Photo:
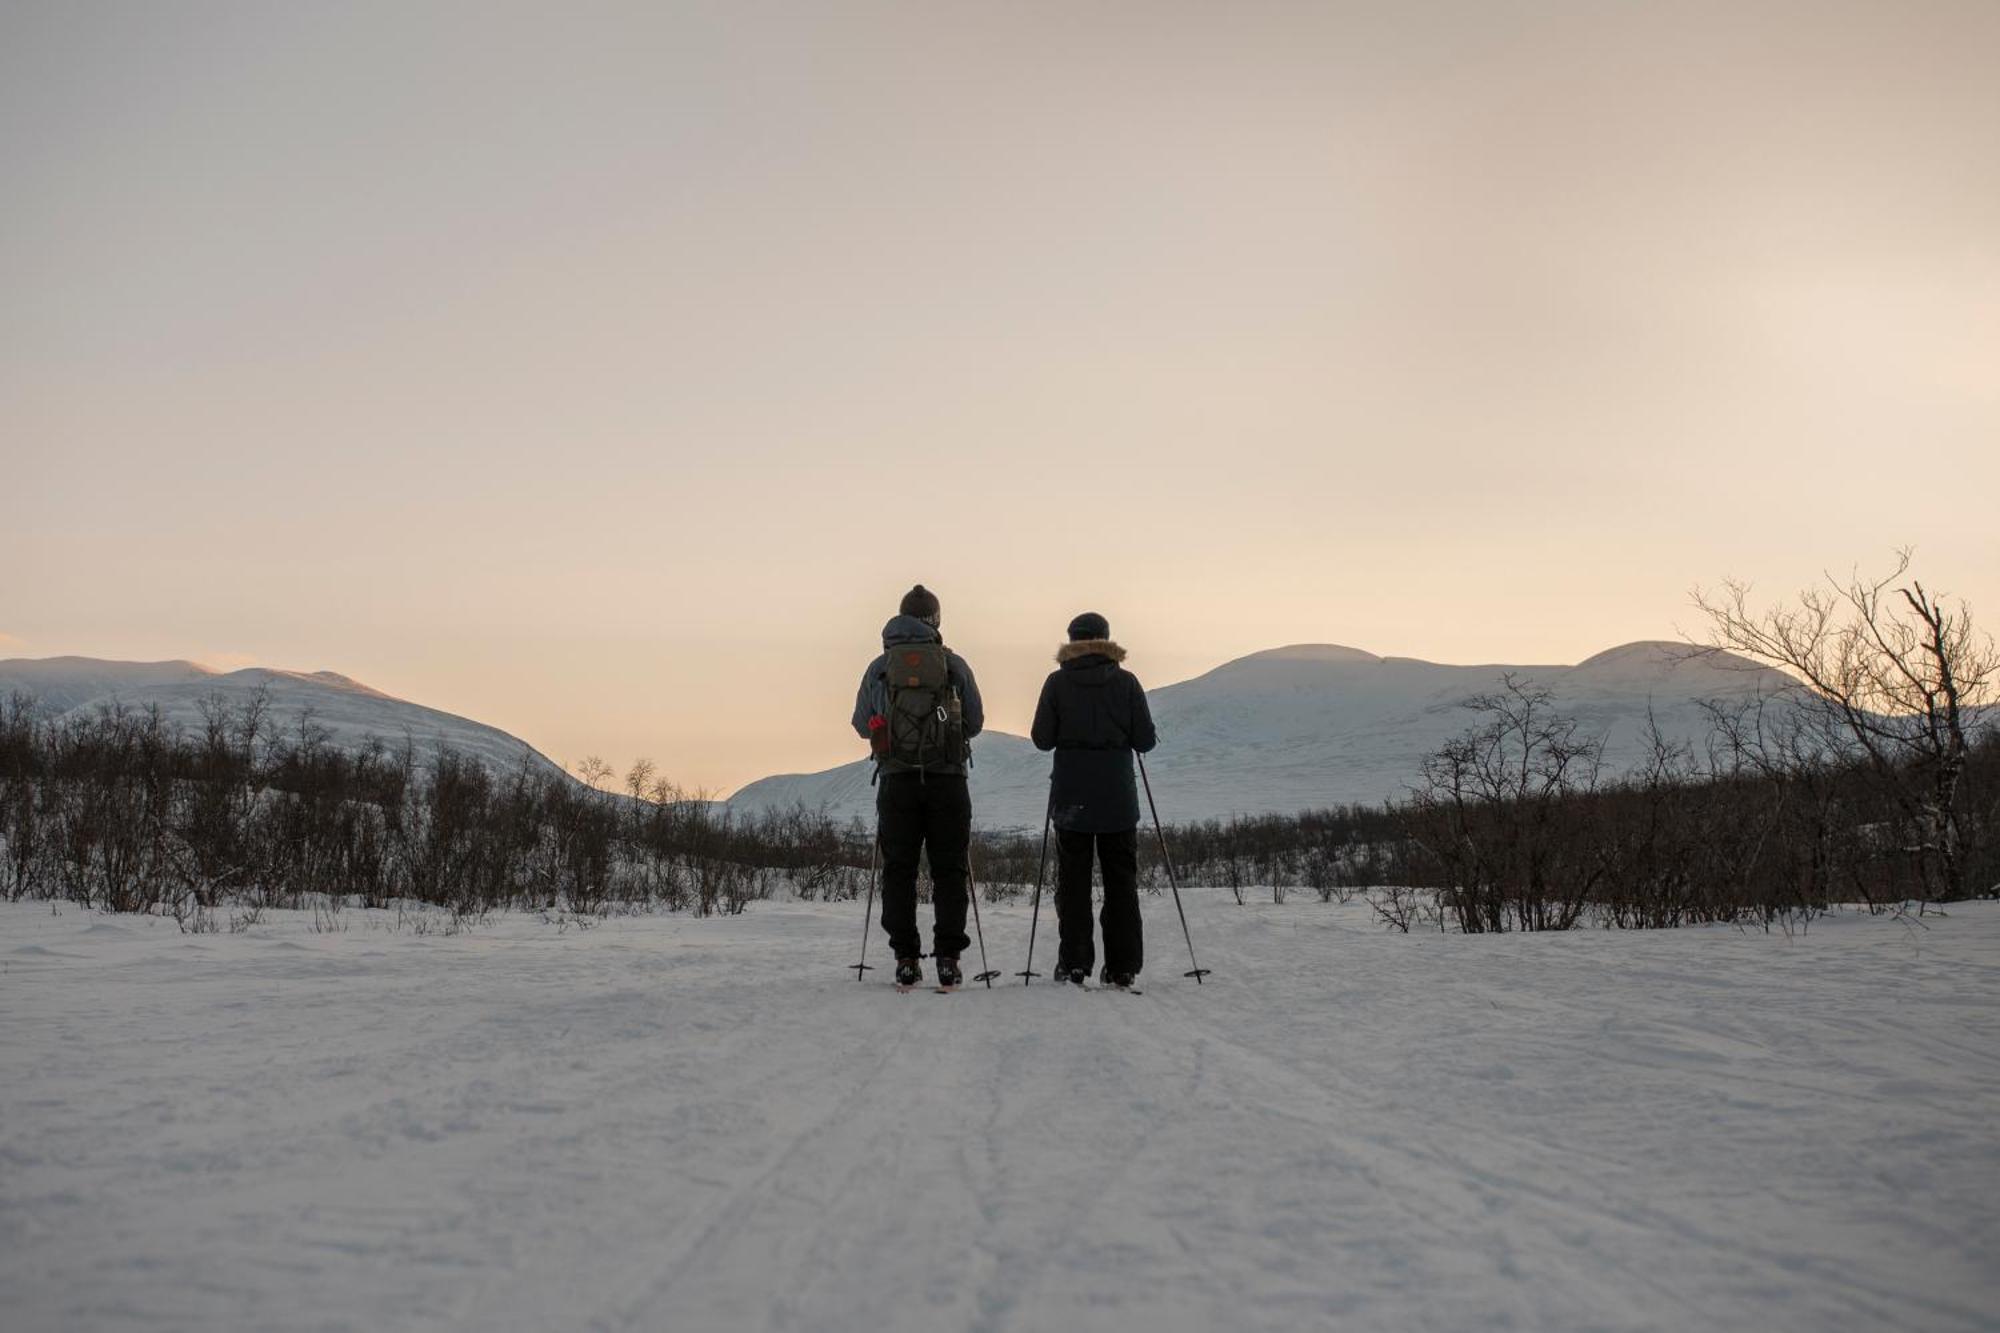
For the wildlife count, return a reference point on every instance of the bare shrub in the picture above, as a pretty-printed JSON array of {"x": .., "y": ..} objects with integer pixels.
[
  {"x": 1497, "y": 816},
  {"x": 1897, "y": 682}
]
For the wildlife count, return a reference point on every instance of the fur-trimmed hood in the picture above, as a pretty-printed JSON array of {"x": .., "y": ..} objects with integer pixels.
[{"x": 1069, "y": 652}]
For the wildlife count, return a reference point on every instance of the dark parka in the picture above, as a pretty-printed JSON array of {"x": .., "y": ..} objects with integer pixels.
[{"x": 1093, "y": 714}]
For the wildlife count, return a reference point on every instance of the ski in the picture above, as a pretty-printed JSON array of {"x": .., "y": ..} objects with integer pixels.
[{"x": 947, "y": 990}]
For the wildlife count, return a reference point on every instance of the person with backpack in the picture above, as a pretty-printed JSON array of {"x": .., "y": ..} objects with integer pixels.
[
  {"x": 1093, "y": 714},
  {"x": 918, "y": 708}
]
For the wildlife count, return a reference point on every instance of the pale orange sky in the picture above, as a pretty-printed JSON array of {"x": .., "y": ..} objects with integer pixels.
[{"x": 607, "y": 377}]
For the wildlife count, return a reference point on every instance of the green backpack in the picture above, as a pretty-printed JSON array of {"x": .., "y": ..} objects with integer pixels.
[{"x": 926, "y": 721}]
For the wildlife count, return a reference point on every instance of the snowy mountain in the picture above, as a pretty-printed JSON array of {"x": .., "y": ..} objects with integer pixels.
[
  {"x": 346, "y": 711},
  {"x": 1320, "y": 724},
  {"x": 59, "y": 684}
]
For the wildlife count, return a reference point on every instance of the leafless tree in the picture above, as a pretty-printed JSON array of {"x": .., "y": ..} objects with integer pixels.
[
  {"x": 1898, "y": 678},
  {"x": 1497, "y": 813},
  {"x": 639, "y": 779}
]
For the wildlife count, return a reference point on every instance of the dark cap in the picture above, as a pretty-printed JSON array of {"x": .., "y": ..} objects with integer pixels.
[
  {"x": 920, "y": 602},
  {"x": 1089, "y": 625}
]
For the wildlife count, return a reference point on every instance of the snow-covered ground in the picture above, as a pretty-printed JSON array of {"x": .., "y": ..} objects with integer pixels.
[{"x": 664, "y": 1123}]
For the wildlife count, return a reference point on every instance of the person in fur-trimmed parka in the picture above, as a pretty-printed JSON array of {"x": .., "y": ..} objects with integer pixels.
[{"x": 1093, "y": 714}]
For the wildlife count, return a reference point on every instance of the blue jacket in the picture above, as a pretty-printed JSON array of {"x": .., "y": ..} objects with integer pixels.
[{"x": 873, "y": 696}]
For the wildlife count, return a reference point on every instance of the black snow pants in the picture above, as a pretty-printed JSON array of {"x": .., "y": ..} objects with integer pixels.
[
  {"x": 1124, "y": 941},
  {"x": 917, "y": 813}
]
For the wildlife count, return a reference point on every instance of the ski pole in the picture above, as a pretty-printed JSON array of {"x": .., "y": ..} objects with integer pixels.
[
  {"x": 1034, "y": 918},
  {"x": 868, "y": 916},
  {"x": 986, "y": 974},
  {"x": 1172, "y": 879}
]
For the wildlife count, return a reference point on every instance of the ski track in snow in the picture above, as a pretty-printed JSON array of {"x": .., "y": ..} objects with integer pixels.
[{"x": 664, "y": 1123}]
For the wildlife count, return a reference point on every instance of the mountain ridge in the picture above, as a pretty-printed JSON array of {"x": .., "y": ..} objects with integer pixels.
[
  {"x": 348, "y": 712},
  {"x": 1308, "y": 725},
  {"x": 1271, "y": 732}
]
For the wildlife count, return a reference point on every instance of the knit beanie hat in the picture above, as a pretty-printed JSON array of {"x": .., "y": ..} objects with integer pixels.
[
  {"x": 922, "y": 603},
  {"x": 1089, "y": 625}
]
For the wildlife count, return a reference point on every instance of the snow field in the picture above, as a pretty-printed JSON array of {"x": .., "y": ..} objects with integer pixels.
[{"x": 665, "y": 1123}]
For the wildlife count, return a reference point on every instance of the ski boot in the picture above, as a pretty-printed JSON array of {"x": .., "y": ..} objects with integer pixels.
[
  {"x": 909, "y": 971},
  {"x": 948, "y": 973},
  {"x": 1075, "y": 976}
]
